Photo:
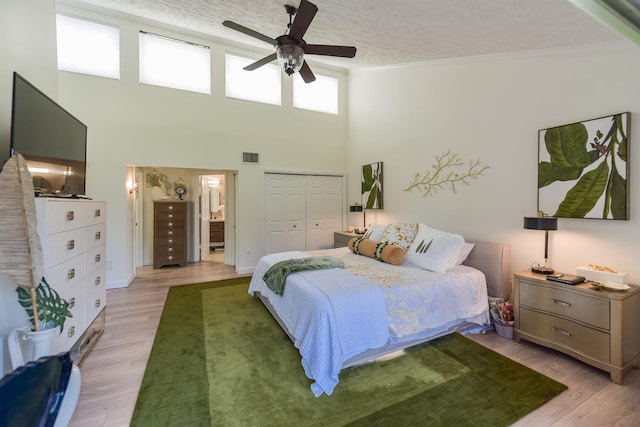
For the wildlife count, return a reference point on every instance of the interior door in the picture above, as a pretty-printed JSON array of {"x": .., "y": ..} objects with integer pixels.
[{"x": 284, "y": 212}]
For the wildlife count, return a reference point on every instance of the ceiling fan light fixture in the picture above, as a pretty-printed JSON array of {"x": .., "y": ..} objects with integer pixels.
[{"x": 290, "y": 57}]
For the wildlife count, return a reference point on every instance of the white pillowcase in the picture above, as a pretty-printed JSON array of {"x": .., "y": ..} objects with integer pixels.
[
  {"x": 464, "y": 252},
  {"x": 434, "y": 250},
  {"x": 375, "y": 232}
]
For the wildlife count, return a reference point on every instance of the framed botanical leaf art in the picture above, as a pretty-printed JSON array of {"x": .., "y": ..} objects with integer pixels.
[
  {"x": 372, "y": 186},
  {"x": 583, "y": 169}
]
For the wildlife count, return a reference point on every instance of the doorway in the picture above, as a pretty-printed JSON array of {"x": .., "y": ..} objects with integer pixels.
[{"x": 160, "y": 183}]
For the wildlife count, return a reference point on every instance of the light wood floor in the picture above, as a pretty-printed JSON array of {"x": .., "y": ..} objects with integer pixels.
[{"x": 112, "y": 373}]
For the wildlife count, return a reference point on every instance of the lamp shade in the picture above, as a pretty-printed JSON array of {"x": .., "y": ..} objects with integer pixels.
[{"x": 541, "y": 223}]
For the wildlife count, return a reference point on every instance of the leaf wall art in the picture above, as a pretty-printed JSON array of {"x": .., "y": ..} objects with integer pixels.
[{"x": 583, "y": 169}]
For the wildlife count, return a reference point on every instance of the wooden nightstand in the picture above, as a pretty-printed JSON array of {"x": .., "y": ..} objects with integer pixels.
[
  {"x": 341, "y": 238},
  {"x": 601, "y": 328}
]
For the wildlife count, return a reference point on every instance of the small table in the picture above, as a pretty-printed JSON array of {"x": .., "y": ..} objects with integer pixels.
[{"x": 341, "y": 238}]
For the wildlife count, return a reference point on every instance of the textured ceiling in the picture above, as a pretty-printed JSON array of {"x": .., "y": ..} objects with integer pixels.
[{"x": 388, "y": 32}]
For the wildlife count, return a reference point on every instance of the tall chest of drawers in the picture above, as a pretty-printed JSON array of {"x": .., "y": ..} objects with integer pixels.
[
  {"x": 601, "y": 328},
  {"x": 73, "y": 238},
  {"x": 170, "y": 233}
]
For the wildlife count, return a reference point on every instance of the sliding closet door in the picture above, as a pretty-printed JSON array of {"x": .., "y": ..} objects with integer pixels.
[
  {"x": 284, "y": 212},
  {"x": 324, "y": 210},
  {"x": 301, "y": 211}
]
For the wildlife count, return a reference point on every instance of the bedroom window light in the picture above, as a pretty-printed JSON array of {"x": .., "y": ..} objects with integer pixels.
[
  {"x": 88, "y": 47},
  {"x": 174, "y": 63},
  {"x": 321, "y": 95},
  {"x": 260, "y": 85}
]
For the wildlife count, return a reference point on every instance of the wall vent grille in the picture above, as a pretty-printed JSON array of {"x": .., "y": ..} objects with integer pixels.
[{"x": 250, "y": 158}]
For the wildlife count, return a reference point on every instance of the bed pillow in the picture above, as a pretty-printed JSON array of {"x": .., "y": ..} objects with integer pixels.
[
  {"x": 434, "y": 250},
  {"x": 464, "y": 252},
  {"x": 375, "y": 232},
  {"x": 400, "y": 234},
  {"x": 382, "y": 251}
]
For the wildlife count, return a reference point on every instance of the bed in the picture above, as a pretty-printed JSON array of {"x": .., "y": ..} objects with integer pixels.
[{"x": 342, "y": 317}]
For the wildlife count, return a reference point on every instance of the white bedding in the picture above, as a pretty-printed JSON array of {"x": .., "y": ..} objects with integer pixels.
[{"x": 387, "y": 304}]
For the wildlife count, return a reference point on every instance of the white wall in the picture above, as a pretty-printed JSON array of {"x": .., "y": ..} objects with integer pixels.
[
  {"x": 27, "y": 45},
  {"x": 491, "y": 109},
  {"x": 133, "y": 124}
]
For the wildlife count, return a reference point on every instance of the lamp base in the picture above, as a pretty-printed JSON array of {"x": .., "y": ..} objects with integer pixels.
[{"x": 542, "y": 270}]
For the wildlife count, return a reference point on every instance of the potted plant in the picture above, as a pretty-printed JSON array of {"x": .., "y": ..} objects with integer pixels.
[{"x": 52, "y": 311}]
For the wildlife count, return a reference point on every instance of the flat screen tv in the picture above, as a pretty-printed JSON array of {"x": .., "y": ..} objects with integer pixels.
[{"x": 52, "y": 141}]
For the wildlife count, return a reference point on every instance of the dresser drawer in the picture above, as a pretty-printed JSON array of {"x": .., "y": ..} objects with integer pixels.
[
  {"x": 580, "y": 338},
  {"x": 63, "y": 246},
  {"x": 63, "y": 215},
  {"x": 95, "y": 213},
  {"x": 95, "y": 235},
  {"x": 591, "y": 311},
  {"x": 67, "y": 274},
  {"x": 73, "y": 326}
]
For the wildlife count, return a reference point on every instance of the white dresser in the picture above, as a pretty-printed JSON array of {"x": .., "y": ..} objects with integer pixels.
[{"x": 73, "y": 237}]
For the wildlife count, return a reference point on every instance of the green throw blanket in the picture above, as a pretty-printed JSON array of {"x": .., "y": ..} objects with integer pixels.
[{"x": 277, "y": 274}]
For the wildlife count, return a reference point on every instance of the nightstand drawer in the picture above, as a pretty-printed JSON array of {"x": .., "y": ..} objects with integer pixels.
[
  {"x": 554, "y": 300},
  {"x": 587, "y": 341}
]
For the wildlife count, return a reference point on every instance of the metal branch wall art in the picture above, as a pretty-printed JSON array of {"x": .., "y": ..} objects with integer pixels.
[{"x": 447, "y": 172}]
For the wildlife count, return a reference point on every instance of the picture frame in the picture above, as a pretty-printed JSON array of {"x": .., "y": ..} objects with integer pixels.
[
  {"x": 583, "y": 169},
  {"x": 371, "y": 188}
]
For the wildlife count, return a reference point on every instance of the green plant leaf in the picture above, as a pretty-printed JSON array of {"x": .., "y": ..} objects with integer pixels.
[
  {"x": 371, "y": 200},
  {"x": 567, "y": 145},
  {"x": 52, "y": 310},
  {"x": 618, "y": 195},
  {"x": 367, "y": 178},
  {"x": 622, "y": 145},
  {"x": 549, "y": 173},
  {"x": 580, "y": 199}
]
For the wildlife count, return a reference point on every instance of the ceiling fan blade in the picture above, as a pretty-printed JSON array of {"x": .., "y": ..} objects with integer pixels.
[
  {"x": 304, "y": 15},
  {"x": 250, "y": 32},
  {"x": 261, "y": 62},
  {"x": 330, "y": 50},
  {"x": 306, "y": 73}
]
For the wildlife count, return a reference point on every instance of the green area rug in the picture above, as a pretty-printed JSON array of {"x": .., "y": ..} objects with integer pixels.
[{"x": 219, "y": 358}]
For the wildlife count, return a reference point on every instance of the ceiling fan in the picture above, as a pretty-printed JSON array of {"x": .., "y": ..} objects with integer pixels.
[{"x": 291, "y": 47}]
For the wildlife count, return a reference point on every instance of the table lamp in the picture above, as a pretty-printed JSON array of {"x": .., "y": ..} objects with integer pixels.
[{"x": 546, "y": 223}]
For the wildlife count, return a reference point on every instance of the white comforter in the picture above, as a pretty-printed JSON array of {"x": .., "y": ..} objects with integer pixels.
[{"x": 384, "y": 304}]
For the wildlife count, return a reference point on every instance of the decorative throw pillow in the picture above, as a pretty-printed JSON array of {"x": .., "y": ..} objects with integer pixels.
[
  {"x": 382, "y": 251},
  {"x": 434, "y": 250},
  {"x": 375, "y": 232},
  {"x": 464, "y": 252},
  {"x": 400, "y": 234}
]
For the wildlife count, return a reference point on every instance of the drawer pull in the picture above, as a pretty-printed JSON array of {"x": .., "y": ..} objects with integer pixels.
[
  {"x": 170, "y": 216},
  {"x": 559, "y": 302},
  {"x": 560, "y": 331},
  {"x": 98, "y": 257},
  {"x": 70, "y": 216},
  {"x": 98, "y": 213},
  {"x": 170, "y": 257},
  {"x": 71, "y": 332},
  {"x": 170, "y": 241},
  {"x": 72, "y": 302},
  {"x": 71, "y": 273},
  {"x": 170, "y": 207},
  {"x": 170, "y": 232},
  {"x": 169, "y": 249},
  {"x": 98, "y": 235},
  {"x": 71, "y": 244},
  {"x": 98, "y": 303},
  {"x": 97, "y": 281},
  {"x": 170, "y": 224}
]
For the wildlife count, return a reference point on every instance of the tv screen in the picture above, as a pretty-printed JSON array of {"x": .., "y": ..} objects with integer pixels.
[{"x": 52, "y": 141}]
